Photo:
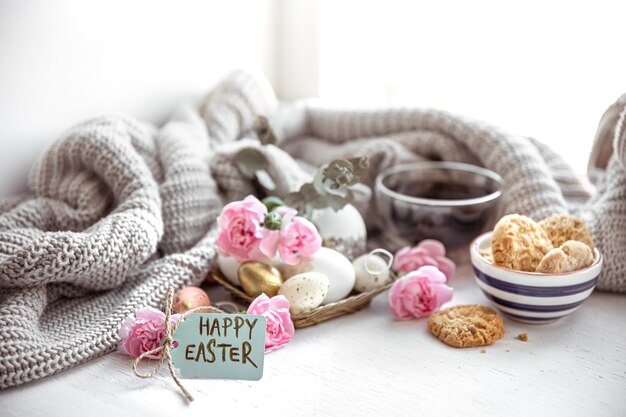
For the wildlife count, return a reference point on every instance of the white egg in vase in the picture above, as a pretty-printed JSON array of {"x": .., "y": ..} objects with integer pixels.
[{"x": 342, "y": 230}]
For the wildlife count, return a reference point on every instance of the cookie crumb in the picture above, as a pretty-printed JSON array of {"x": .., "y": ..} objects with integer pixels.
[
  {"x": 523, "y": 337},
  {"x": 483, "y": 351}
]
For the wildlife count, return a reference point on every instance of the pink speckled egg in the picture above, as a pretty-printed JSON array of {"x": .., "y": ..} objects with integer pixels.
[{"x": 190, "y": 297}]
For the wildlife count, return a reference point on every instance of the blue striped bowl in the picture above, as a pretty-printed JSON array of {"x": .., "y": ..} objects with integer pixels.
[{"x": 532, "y": 297}]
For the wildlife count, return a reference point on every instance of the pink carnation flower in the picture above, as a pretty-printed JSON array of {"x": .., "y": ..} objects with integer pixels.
[
  {"x": 239, "y": 229},
  {"x": 427, "y": 252},
  {"x": 271, "y": 238},
  {"x": 419, "y": 293},
  {"x": 143, "y": 332},
  {"x": 297, "y": 237},
  {"x": 279, "y": 330}
]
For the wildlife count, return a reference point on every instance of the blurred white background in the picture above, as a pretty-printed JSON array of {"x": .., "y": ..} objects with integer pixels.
[
  {"x": 542, "y": 69},
  {"x": 63, "y": 61}
]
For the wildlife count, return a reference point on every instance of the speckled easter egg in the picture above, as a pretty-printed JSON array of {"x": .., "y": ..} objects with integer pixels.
[
  {"x": 190, "y": 297},
  {"x": 366, "y": 281},
  {"x": 229, "y": 266},
  {"x": 305, "y": 291}
]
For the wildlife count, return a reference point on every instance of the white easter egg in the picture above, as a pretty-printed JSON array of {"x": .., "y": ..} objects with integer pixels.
[
  {"x": 329, "y": 262},
  {"x": 342, "y": 230},
  {"x": 305, "y": 291},
  {"x": 339, "y": 271},
  {"x": 288, "y": 271},
  {"x": 366, "y": 281},
  {"x": 229, "y": 267}
]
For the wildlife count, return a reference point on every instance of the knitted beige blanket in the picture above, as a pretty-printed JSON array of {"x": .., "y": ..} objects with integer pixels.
[{"x": 118, "y": 210}]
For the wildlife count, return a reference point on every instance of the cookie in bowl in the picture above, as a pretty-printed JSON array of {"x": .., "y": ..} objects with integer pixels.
[
  {"x": 570, "y": 256},
  {"x": 563, "y": 227},
  {"x": 519, "y": 243}
]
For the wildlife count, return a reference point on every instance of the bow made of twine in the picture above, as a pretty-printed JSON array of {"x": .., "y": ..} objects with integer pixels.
[{"x": 166, "y": 343}]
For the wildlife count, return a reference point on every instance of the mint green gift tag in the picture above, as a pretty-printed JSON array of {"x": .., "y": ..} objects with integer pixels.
[{"x": 219, "y": 346}]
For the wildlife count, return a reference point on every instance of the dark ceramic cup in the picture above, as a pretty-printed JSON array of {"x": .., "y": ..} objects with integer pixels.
[{"x": 448, "y": 201}]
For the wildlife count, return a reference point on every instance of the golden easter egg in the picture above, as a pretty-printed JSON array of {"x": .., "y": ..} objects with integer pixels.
[{"x": 257, "y": 278}]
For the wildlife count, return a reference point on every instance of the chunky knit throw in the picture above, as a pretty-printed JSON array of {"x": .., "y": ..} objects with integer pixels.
[{"x": 119, "y": 210}]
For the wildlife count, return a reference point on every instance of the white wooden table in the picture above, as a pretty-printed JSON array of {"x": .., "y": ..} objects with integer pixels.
[{"x": 367, "y": 364}]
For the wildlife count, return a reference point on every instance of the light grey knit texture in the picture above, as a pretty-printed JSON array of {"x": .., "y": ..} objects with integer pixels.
[{"x": 119, "y": 210}]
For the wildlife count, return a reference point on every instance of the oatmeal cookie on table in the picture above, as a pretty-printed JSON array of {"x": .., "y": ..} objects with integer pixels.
[
  {"x": 519, "y": 243},
  {"x": 467, "y": 326}
]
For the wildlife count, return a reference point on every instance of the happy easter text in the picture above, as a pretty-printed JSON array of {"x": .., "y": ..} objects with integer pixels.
[{"x": 211, "y": 351}]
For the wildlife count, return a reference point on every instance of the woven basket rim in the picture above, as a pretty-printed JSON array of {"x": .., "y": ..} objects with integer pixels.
[{"x": 319, "y": 314}]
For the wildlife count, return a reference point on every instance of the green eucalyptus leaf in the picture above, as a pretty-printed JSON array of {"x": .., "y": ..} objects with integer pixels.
[
  {"x": 296, "y": 201},
  {"x": 306, "y": 211},
  {"x": 307, "y": 194},
  {"x": 318, "y": 181},
  {"x": 337, "y": 202},
  {"x": 340, "y": 202},
  {"x": 266, "y": 181},
  {"x": 340, "y": 171},
  {"x": 293, "y": 199},
  {"x": 250, "y": 160},
  {"x": 361, "y": 168},
  {"x": 335, "y": 189},
  {"x": 330, "y": 186},
  {"x": 320, "y": 202}
]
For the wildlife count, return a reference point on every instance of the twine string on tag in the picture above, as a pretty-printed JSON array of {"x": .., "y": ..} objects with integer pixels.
[{"x": 164, "y": 350}]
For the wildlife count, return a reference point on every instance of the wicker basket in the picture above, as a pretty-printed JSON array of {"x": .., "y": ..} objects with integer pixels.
[{"x": 317, "y": 315}]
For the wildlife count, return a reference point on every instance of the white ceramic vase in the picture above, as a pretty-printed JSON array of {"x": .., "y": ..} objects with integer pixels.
[{"x": 342, "y": 230}]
